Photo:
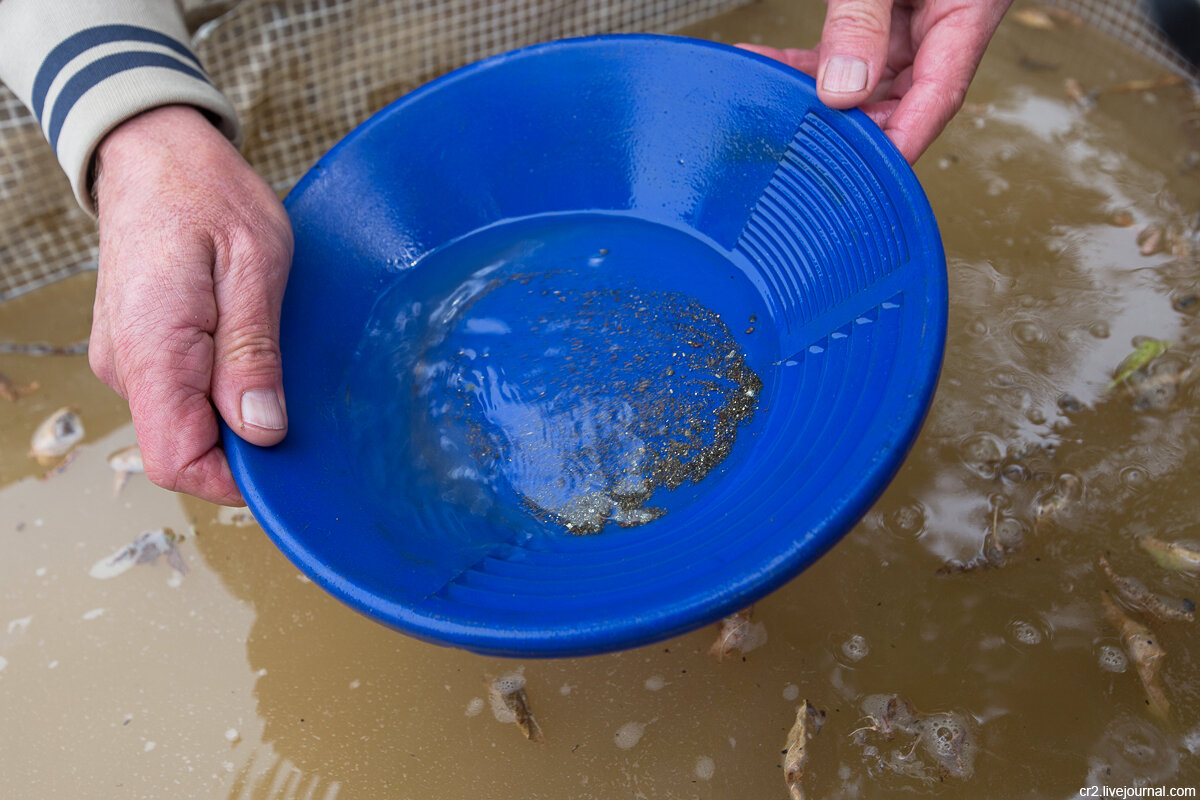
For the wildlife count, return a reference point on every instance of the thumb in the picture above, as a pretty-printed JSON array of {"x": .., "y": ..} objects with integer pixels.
[
  {"x": 247, "y": 379},
  {"x": 854, "y": 46}
]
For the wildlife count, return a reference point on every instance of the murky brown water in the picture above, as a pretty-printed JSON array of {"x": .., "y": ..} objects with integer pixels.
[{"x": 240, "y": 679}]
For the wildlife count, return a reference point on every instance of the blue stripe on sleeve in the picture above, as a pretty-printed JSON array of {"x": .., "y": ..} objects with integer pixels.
[
  {"x": 85, "y": 40},
  {"x": 99, "y": 70}
]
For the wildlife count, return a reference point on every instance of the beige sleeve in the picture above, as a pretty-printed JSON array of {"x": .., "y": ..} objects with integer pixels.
[{"x": 85, "y": 66}]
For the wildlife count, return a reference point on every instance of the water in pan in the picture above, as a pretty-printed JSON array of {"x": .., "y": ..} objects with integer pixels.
[{"x": 530, "y": 372}]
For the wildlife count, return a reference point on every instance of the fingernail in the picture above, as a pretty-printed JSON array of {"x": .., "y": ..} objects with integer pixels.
[
  {"x": 262, "y": 409},
  {"x": 845, "y": 75}
]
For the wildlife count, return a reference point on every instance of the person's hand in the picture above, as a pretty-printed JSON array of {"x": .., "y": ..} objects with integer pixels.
[
  {"x": 906, "y": 64},
  {"x": 194, "y": 254}
]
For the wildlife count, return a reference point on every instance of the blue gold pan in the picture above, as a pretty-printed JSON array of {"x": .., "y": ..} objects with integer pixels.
[{"x": 521, "y": 293}]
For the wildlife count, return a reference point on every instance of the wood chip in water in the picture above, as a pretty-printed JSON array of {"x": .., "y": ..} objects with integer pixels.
[
  {"x": 738, "y": 633},
  {"x": 1035, "y": 18},
  {"x": 1062, "y": 16},
  {"x": 1150, "y": 240},
  {"x": 807, "y": 725},
  {"x": 1146, "y": 84},
  {"x": 56, "y": 436},
  {"x": 12, "y": 391},
  {"x": 1180, "y": 556},
  {"x": 1122, "y": 219},
  {"x": 145, "y": 549},
  {"x": 510, "y": 704},
  {"x": 125, "y": 462},
  {"x": 1135, "y": 593},
  {"x": 1075, "y": 91},
  {"x": 1144, "y": 650}
]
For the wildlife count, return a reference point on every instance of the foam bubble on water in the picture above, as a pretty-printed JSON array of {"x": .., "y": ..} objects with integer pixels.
[
  {"x": 1191, "y": 741},
  {"x": 475, "y": 706},
  {"x": 232, "y": 735},
  {"x": 3, "y": 663},
  {"x": 982, "y": 453},
  {"x": 93, "y": 614},
  {"x": 502, "y": 687},
  {"x": 19, "y": 625},
  {"x": 705, "y": 768},
  {"x": 946, "y": 737},
  {"x": 1112, "y": 658},
  {"x": 791, "y": 692},
  {"x": 629, "y": 734},
  {"x": 906, "y": 520},
  {"x": 1025, "y": 632},
  {"x": 655, "y": 682},
  {"x": 856, "y": 648}
]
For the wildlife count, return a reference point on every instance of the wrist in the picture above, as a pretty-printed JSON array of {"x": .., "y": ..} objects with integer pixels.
[{"x": 145, "y": 140}]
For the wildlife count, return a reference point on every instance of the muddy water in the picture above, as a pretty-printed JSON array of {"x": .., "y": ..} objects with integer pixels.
[{"x": 972, "y": 592}]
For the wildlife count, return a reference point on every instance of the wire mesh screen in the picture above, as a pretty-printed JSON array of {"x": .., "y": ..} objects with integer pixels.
[
  {"x": 302, "y": 74},
  {"x": 1129, "y": 22}
]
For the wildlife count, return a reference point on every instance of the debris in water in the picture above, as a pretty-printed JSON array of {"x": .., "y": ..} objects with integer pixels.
[
  {"x": 12, "y": 391},
  {"x": 43, "y": 348},
  {"x": 1035, "y": 18},
  {"x": 1150, "y": 240},
  {"x": 1182, "y": 556},
  {"x": 235, "y": 516},
  {"x": 1004, "y": 539},
  {"x": 738, "y": 633},
  {"x": 56, "y": 436},
  {"x": 125, "y": 462},
  {"x": 808, "y": 724},
  {"x": 510, "y": 704},
  {"x": 1146, "y": 84},
  {"x": 629, "y": 735},
  {"x": 1157, "y": 390},
  {"x": 145, "y": 549},
  {"x": 946, "y": 737},
  {"x": 1145, "y": 652},
  {"x": 1067, "y": 490},
  {"x": 1074, "y": 90},
  {"x": 1145, "y": 351},
  {"x": 1135, "y": 593},
  {"x": 1122, "y": 219}
]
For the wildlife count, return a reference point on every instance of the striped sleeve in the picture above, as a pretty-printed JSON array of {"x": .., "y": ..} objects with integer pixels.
[{"x": 82, "y": 68}]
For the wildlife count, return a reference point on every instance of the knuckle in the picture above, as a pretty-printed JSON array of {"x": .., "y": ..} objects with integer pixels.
[
  {"x": 254, "y": 343},
  {"x": 859, "y": 19}
]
